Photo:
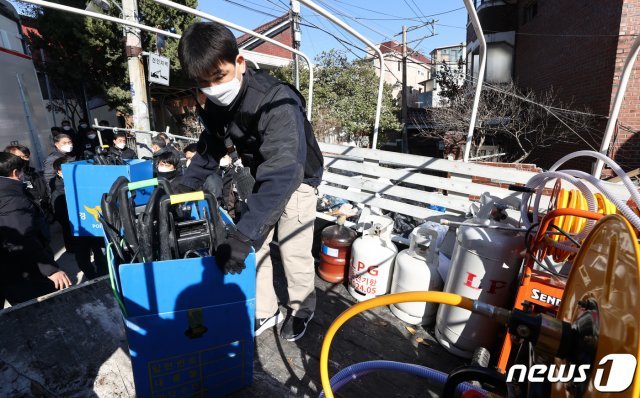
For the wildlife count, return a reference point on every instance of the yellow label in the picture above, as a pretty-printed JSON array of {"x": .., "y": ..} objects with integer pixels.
[{"x": 187, "y": 197}]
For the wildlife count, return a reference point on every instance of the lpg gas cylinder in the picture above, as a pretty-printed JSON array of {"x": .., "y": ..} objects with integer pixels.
[
  {"x": 484, "y": 266},
  {"x": 372, "y": 258},
  {"x": 336, "y": 251},
  {"x": 416, "y": 269}
]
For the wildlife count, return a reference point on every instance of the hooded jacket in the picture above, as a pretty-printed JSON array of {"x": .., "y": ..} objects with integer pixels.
[
  {"x": 267, "y": 123},
  {"x": 24, "y": 248}
]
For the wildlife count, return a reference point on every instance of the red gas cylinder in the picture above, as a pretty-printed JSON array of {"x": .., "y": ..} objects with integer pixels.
[{"x": 336, "y": 251}]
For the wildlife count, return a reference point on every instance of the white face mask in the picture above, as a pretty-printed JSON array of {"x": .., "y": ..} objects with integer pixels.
[
  {"x": 164, "y": 169},
  {"x": 223, "y": 94},
  {"x": 121, "y": 145},
  {"x": 66, "y": 128},
  {"x": 83, "y": 125},
  {"x": 225, "y": 161},
  {"x": 91, "y": 136},
  {"x": 66, "y": 148}
]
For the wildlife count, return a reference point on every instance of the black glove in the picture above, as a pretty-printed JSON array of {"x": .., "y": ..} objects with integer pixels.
[{"x": 232, "y": 252}]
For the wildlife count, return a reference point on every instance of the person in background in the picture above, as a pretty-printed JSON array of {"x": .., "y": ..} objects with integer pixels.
[
  {"x": 158, "y": 147},
  {"x": 68, "y": 130},
  {"x": 63, "y": 147},
  {"x": 119, "y": 147},
  {"x": 83, "y": 126},
  {"x": 35, "y": 185},
  {"x": 168, "y": 166},
  {"x": 89, "y": 142},
  {"x": 106, "y": 134},
  {"x": 170, "y": 145},
  {"x": 189, "y": 151},
  {"x": 82, "y": 246},
  {"x": 55, "y": 130},
  {"x": 28, "y": 267}
]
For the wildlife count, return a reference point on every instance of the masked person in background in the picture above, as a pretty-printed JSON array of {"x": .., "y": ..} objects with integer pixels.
[
  {"x": 63, "y": 147},
  {"x": 119, "y": 147},
  {"x": 28, "y": 267},
  {"x": 107, "y": 134},
  {"x": 168, "y": 166},
  {"x": 35, "y": 185},
  {"x": 89, "y": 142},
  {"x": 68, "y": 130},
  {"x": 265, "y": 120},
  {"x": 81, "y": 246}
]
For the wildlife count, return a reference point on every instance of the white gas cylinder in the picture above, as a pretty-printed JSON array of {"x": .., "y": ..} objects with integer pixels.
[
  {"x": 485, "y": 265},
  {"x": 372, "y": 258},
  {"x": 416, "y": 269}
]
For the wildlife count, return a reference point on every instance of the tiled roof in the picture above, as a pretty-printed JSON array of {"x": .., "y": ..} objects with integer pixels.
[
  {"x": 394, "y": 46},
  {"x": 263, "y": 28}
]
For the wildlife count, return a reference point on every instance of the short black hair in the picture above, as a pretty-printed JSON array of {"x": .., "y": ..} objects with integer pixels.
[
  {"x": 193, "y": 147},
  {"x": 18, "y": 147},
  {"x": 57, "y": 164},
  {"x": 168, "y": 157},
  {"x": 159, "y": 141},
  {"x": 8, "y": 163},
  {"x": 204, "y": 46},
  {"x": 120, "y": 134},
  {"x": 65, "y": 121},
  {"x": 58, "y": 137},
  {"x": 55, "y": 128}
]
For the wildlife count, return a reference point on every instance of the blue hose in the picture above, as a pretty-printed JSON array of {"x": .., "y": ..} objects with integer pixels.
[{"x": 353, "y": 372}]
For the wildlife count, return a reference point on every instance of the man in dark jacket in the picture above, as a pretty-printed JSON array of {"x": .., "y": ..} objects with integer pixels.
[
  {"x": 119, "y": 147},
  {"x": 35, "y": 185},
  {"x": 63, "y": 147},
  {"x": 81, "y": 246},
  {"x": 28, "y": 267},
  {"x": 266, "y": 121},
  {"x": 88, "y": 142}
]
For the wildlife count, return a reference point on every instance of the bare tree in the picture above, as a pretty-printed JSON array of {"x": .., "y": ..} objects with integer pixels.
[{"x": 519, "y": 120}]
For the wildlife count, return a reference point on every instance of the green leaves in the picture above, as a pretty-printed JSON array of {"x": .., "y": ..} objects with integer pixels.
[
  {"x": 90, "y": 52},
  {"x": 344, "y": 96}
]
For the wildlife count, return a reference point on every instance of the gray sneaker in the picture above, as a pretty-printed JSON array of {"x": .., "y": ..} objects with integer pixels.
[
  {"x": 263, "y": 324},
  {"x": 294, "y": 327}
]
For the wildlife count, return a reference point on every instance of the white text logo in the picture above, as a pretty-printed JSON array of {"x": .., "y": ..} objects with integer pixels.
[{"x": 623, "y": 366}]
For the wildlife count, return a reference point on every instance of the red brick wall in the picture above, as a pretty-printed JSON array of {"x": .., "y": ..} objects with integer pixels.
[
  {"x": 626, "y": 144},
  {"x": 580, "y": 69},
  {"x": 283, "y": 37}
]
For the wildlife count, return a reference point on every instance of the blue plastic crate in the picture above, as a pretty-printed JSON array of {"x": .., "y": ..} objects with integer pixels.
[
  {"x": 84, "y": 184},
  {"x": 190, "y": 328}
]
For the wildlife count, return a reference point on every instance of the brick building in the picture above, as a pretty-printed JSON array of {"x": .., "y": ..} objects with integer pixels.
[
  {"x": 578, "y": 48},
  {"x": 268, "y": 55}
]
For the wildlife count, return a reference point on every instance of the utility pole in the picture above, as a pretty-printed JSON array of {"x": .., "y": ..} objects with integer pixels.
[
  {"x": 405, "y": 105},
  {"x": 137, "y": 84},
  {"x": 405, "y": 138},
  {"x": 295, "y": 28}
]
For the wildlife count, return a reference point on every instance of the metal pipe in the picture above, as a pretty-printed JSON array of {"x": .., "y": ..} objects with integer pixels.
[
  {"x": 92, "y": 14},
  {"x": 355, "y": 33},
  {"x": 250, "y": 32},
  {"x": 617, "y": 104},
  {"x": 116, "y": 129},
  {"x": 473, "y": 16}
]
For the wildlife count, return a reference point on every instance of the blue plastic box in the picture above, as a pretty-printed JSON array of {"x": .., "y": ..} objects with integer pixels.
[
  {"x": 190, "y": 328},
  {"x": 84, "y": 184}
]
